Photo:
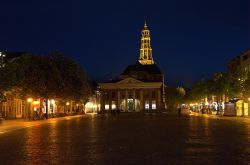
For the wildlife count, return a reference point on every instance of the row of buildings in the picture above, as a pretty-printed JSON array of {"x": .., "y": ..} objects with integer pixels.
[
  {"x": 140, "y": 88},
  {"x": 241, "y": 106},
  {"x": 238, "y": 67}
]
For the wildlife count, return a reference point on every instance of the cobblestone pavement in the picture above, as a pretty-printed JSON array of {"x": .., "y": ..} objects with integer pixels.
[{"x": 128, "y": 139}]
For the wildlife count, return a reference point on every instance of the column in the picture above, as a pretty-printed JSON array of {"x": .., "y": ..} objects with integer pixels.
[
  {"x": 134, "y": 99},
  {"x": 102, "y": 102},
  {"x": 150, "y": 100},
  {"x": 141, "y": 100},
  {"x": 158, "y": 105},
  {"x": 126, "y": 100},
  {"x": 118, "y": 99},
  {"x": 110, "y": 100}
]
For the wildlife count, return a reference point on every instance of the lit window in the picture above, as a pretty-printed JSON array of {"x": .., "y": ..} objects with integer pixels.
[
  {"x": 146, "y": 104},
  {"x": 106, "y": 107},
  {"x": 113, "y": 105},
  {"x": 153, "y": 104}
]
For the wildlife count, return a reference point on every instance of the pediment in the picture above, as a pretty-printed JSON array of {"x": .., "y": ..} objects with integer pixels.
[{"x": 129, "y": 80}]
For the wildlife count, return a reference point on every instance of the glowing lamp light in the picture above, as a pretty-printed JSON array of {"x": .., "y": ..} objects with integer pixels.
[
  {"x": 216, "y": 106},
  {"x": 29, "y": 100},
  {"x": 53, "y": 101},
  {"x": 67, "y": 103},
  {"x": 36, "y": 102},
  {"x": 89, "y": 105},
  {"x": 249, "y": 99},
  {"x": 113, "y": 106}
]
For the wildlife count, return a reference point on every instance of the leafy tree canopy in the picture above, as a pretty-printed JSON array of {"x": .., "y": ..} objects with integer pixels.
[{"x": 48, "y": 76}]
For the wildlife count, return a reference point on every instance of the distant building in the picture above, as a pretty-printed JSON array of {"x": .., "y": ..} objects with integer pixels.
[
  {"x": 240, "y": 62},
  {"x": 139, "y": 88}
]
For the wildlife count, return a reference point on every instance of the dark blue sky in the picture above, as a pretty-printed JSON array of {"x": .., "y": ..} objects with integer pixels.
[{"x": 190, "y": 39}]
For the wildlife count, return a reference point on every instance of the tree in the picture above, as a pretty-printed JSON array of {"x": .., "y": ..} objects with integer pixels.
[
  {"x": 52, "y": 76},
  {"x": 75, "y": 85},
  {"x": 175, "y": 96},
  {"x": 198, "y": 91},
  {"x": 246, "y": 86}
]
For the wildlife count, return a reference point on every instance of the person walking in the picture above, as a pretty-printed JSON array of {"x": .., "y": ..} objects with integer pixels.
[{"x": 179, "y": 111}]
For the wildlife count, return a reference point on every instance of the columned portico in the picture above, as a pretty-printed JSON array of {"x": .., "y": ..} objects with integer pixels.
[
  {"x": 140, "y": 87},
  {"x": 139, "y": 96}
]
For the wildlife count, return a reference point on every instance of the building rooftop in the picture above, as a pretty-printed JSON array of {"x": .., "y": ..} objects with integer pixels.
[{"x": 149, "y": 69}]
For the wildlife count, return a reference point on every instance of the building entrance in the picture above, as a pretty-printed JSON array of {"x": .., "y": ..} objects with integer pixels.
[{"x": 130, "y": 104}]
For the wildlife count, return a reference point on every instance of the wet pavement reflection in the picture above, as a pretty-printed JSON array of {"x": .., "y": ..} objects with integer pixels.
[{"x": 130, "y": 139}]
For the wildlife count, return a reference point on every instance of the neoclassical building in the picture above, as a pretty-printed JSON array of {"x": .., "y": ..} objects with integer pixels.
[{"x": 139, "y": 88}]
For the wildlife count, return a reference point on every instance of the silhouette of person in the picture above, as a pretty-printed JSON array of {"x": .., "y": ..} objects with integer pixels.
[{"x": 179, "y": 111}]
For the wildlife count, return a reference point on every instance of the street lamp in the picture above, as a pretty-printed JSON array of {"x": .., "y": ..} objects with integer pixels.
[
  {"x": 67, "y": 107},
  {"x": 29, "y": 100}
]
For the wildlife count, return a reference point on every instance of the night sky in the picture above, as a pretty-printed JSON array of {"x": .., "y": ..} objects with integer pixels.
[{"x": 191, "y": 39}]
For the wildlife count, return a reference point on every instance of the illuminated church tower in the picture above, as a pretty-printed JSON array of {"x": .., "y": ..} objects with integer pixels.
[
  {"x": 140, "y": 87},
  {"x": 146, "y": 57}
]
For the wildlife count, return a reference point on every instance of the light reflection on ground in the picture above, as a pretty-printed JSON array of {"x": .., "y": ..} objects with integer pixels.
[{"x": 128, "y": 139}]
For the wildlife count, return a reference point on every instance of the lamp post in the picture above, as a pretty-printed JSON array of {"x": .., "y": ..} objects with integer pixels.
[
  {"x": 29, "y": 100},
  {"x": 67, "y": 104},
  {"x": 53, "y": 106}
]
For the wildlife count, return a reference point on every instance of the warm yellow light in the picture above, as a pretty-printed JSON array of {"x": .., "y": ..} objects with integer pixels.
[
  {"x": 67, "y": 103},
  {"x": 36, "y": 102},
  {"x": 77, "y": 104},
  {"x": 29, "y": 100},
  {"x": 89, "y": 105},
  {"x": 249, "y": 99},
  {"x": 53, "y": 101},
  {"x": 113, "y": 106}
]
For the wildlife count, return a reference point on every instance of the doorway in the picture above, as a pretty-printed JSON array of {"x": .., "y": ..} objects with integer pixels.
[{"x": 130, "y": 105}]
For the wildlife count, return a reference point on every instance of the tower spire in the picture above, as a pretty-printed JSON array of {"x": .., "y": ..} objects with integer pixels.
[{"x": 146, "y": 57}]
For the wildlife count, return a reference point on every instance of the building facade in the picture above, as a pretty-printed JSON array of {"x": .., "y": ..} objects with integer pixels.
[
  {"x": 239, "y": 67},
  {"x": 240, "y": 62},
  {"x": 139, "y": 88}
]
